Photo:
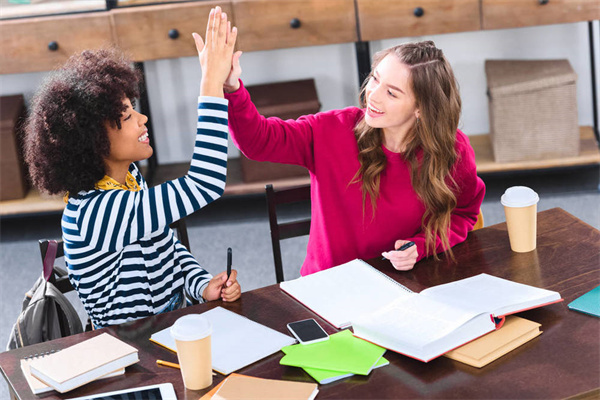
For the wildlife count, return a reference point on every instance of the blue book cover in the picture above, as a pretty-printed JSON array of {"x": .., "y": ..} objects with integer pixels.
[{"x": 589, "y": 303}]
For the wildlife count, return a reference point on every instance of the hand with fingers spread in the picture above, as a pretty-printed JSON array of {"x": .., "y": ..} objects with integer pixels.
[
  {"x": 221, "y": 287},
  {"x": 402, "y": 260},
  {"x": 216, "y": 53}
]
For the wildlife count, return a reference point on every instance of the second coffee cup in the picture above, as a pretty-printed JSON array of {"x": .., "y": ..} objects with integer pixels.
[
  {"x": 520, "y": 208},
  {"x": 192, "y": 339}
]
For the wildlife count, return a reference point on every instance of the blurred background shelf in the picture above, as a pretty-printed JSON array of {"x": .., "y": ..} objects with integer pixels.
[{"x": 34, "y": 204}]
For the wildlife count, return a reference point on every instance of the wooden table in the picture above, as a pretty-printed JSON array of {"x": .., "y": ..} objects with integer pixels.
[{"x": 563, "y": 362}]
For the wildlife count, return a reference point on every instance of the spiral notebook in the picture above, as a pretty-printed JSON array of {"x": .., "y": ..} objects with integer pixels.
[
  {"x": 39, "y": 387},
  {"x": 342, "y": 293}
]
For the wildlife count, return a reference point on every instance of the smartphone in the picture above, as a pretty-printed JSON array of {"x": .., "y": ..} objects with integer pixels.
[{"x": 307, "y": 331}]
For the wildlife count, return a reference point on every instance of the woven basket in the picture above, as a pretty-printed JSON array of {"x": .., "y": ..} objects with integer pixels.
[{"x": 533, "y": 109}]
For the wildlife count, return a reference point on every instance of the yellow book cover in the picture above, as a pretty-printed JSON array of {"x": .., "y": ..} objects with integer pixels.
[
  {"x": 515, "y": 332},
  {"x": 241, "y": 387}
]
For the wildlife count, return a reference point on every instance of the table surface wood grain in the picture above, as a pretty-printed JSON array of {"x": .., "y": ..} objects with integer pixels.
[{"x": 562, "y": 362}]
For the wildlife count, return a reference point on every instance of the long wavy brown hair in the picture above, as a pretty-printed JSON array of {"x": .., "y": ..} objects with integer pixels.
[{"x": 429, "y": 145}]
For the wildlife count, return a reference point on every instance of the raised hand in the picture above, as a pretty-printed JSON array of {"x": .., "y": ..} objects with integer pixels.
[
  {"x": 216, "y": 52},
  {"x": 232, "y": 83}
]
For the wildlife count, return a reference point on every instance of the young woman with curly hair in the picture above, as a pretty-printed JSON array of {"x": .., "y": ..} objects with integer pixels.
[
  {"x": 83, "y": 137},
  {"x": 395, "y": 171}
]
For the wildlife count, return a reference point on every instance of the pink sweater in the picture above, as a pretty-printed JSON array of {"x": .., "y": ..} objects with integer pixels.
[{"x": 324, "y": 143}]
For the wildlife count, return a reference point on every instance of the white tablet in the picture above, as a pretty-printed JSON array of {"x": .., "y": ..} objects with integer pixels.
[{"x": 163, "y": 391}]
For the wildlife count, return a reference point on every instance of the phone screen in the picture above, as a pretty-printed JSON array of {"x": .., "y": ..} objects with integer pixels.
[{"x": 307, "y": 330}]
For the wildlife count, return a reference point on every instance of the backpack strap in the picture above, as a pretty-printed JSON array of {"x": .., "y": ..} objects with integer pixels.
[{"x": 49, "y": 259}]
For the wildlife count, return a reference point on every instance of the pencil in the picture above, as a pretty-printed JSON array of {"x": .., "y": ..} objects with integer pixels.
[
  {"x": 172, "y": 365},
  {"x": 167, "y": 364}
]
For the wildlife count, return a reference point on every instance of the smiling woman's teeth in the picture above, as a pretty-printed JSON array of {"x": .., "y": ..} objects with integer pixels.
[
  {"x": 376, "y": 111},
  {"x": 143, "y": 137}
]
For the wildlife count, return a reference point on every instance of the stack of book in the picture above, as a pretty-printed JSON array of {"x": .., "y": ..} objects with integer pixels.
[
  {"x": 95, "y": 358},
  {"x": 341, "y": 356}
]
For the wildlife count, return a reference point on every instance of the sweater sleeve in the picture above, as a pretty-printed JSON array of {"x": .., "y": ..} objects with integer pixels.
[
  {"x": 469, "y": 197},
  {"x": 269, "y": 139},
  {"x": 117, "y": 218}
]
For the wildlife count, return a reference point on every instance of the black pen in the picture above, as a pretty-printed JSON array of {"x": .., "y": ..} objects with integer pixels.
[
  {"x": 402, "y": 248},
  {"x": 229, "y": 257}
]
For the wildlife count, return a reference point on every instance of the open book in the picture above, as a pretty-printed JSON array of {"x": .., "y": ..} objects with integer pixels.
[{"x": 420, "y": 325}]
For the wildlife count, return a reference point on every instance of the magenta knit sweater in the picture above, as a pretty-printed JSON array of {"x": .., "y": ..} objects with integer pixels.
[{"x": 324, "y": 143}]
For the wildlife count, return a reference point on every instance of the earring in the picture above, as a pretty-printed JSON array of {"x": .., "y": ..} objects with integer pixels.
[{"x": 417, "y": 123}]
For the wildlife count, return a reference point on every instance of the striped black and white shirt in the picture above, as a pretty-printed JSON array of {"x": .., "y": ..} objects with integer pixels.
[{"x": 122, "y": 257}]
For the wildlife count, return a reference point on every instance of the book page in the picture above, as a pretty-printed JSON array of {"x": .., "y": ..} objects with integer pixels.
[
  {"x": 414, "y": 321},
  {"x": 343, "y": 293},
  {"x": 486, "y": 293}
]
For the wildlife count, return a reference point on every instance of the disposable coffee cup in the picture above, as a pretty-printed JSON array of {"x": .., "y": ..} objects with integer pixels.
[
  {"x": 192, "y": 340},
  {"x": 520, "y": 208}
]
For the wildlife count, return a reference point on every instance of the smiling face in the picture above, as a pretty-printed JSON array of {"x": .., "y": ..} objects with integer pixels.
[
  {"x": 389, "y": 98},
  {"x": 130, "y": 143}
]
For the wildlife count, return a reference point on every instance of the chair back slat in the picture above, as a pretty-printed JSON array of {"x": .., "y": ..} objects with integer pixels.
[
  {"x": 285, "y": 230},
  {"x": 294, "y": 229}
]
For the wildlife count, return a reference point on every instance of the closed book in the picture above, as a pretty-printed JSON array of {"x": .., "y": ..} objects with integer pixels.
[
  {"x": 241, "y": 387},
  {"x": 341, "y": 352},
  {"x": 589, "y": 303},
  {"x": 39, "y": 387},
  {"x": 325, "y": 376},
  {"x": 480, "y": 352},
  {"x": 84, "y": 362}
]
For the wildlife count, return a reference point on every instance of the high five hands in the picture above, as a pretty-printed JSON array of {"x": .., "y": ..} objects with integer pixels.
[{"x": 216, "y": 54}]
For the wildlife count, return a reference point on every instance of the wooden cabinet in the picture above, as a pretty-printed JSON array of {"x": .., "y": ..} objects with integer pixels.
[
  {"x": 163, "y": 31},
  {"x": 41, "y": 44},
  {"x": 274, "y": 24},
  {"x": 383, "y": 19},
  {"x": 518, "y": 13}
]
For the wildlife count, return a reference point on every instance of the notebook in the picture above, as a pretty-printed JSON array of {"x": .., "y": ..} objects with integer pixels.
[
  {"x": 324, "y": 376},
  {"x": 236, "y": 341},
  {"x": 589, "y": 303},
  {"x": 241, "y": 387},
  {"x": 84, "y": 362},
  {"x": 480, "y": 352},
  {"x": 420, "y": 325},
  {"x": 39, "y": 387},
  {"x": 341, "y": 293},
  {"x": 342, "y": 352}
]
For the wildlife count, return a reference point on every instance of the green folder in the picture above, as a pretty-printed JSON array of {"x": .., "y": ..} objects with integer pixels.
[
  {"x": 324, "y": 376},
  {"x": 589, "y": 303},
  {"x": 342, "y": 352}
]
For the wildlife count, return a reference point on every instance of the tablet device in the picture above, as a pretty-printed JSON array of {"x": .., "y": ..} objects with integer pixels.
[{"x": 162, "y": 391}]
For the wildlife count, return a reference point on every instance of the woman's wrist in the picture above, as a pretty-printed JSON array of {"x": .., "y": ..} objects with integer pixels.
[{"x": 231, "y": 88}]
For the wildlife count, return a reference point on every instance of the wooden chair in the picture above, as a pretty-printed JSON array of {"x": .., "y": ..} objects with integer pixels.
[
  {"x": 285, "y": 230},
  {"x": 479, "y": 223}
]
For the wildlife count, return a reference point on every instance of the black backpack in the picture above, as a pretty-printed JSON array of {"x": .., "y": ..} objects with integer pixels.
[{"x": 49, "y": 307}]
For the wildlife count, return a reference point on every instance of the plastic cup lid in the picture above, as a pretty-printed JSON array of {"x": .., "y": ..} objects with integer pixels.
[
  {"x": 191, "y": 327},
  {"x": 519, "y": 196}
]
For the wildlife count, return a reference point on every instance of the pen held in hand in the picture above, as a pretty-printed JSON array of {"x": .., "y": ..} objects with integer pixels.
[
  {"x": 229, "y": 260},
  {"x": 405, "y": 246}
]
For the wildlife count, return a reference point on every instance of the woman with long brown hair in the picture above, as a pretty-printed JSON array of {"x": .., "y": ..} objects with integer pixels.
[{"x": 394, "y": 172}]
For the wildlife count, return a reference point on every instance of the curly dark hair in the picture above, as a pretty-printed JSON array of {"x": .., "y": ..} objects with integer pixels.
[{"x": 66, "y": 140}]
